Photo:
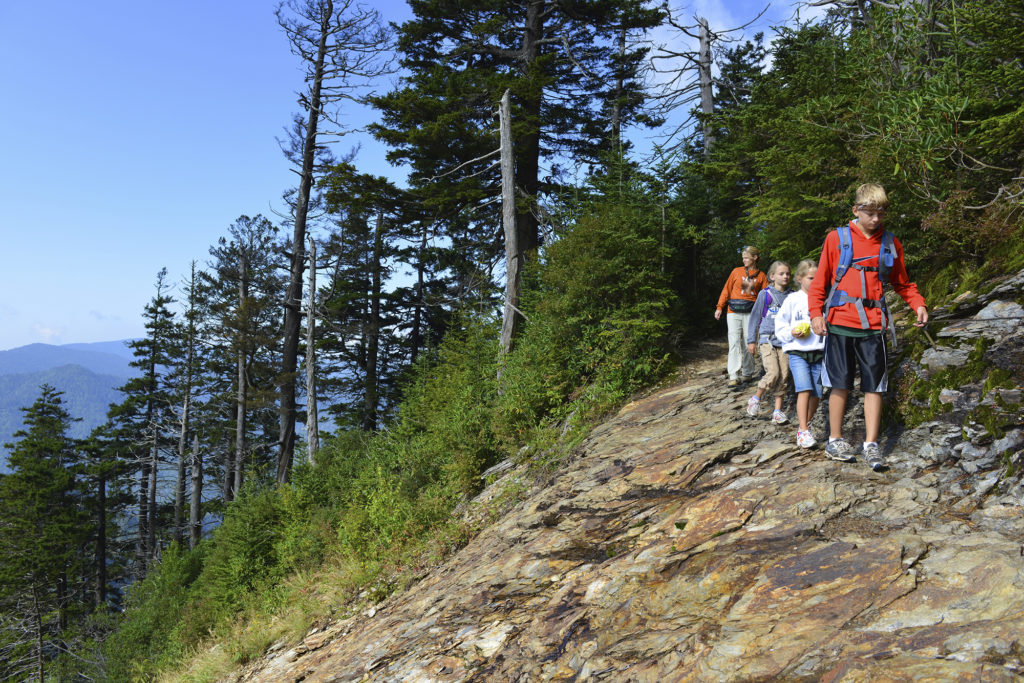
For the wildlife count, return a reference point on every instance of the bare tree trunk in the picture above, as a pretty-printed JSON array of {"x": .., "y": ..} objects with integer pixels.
[
  {"x": 416, "y": 335},
  {"x": 229, "y": 462},
  {"x": 527, "y": 160},
  {"x": 154, "y": 455},
  {"x": 513, "y": 254},
  {"x": 372, "y": 334},
  {"x": 242, "y": 386},
  {"x": 707, "y": 102},
  {"x": 141, "y": 541},
  {"x": 195, "y": 525},
  {"x": 179, "y": 487},
  {"x": 38, "y": 623},
  {"x": 186, "y": 407},
  {"x": 620, "y": 88},
  {"x": 293, "y": 297},
  {"x": 101, "y": 539},
  {"x": 312, "y": 415}
]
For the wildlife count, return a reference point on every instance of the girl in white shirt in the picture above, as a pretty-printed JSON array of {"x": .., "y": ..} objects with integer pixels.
[{"x": 805, "y": 350}]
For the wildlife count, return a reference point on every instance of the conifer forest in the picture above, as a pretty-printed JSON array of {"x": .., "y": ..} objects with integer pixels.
[{"x": 327, "y": 385}]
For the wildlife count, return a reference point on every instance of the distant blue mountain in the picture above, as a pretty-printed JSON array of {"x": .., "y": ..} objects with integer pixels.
[
  {"x": 103, "y": 358},
  {"x": 88, "y": 374},
  {"x": 117, "y": 348}
]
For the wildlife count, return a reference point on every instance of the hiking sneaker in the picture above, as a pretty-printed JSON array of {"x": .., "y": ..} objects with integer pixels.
[
  {"x": 804, "y": 439},
  {"x": 753, "y": 406},
  {"x": 873, "y": 456},
  {"x": 840, "y": 450},
  {"x": 779, "y": 417},
  {"x": 733, "y": 383}
]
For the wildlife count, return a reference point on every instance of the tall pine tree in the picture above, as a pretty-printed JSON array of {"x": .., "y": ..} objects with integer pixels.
[{"x": 44, "y": 529}]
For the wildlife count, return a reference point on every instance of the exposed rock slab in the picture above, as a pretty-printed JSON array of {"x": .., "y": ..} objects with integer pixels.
[{"x": 687, "y": 542}]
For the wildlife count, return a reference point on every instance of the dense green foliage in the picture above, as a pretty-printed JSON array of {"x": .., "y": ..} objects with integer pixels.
[
  {"x": 372, "y": 498},
  {"x": 928, "y": 104}
]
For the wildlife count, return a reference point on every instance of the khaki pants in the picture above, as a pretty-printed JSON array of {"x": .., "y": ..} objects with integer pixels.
[
  {"x": 740, "y": 362},
  {"x": 776, "y": 370}
]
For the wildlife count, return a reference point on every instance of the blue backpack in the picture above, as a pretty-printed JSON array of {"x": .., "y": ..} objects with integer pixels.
[{"x": 840, "y": 297}]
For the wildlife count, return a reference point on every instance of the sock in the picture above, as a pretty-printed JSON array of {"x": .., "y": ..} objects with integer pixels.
[{"x": 871, "y": 443}]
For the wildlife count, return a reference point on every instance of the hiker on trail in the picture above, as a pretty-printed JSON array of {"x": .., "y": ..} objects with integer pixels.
[
  {"x": 739, "y": 293},
  {"x": 804, "y": 348},
  {"x": 761, "y": 333},
  {"x": 847, "y": 305}
]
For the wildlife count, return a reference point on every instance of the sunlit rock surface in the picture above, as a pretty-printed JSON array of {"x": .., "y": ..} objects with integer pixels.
[{"x": 685, "y": 541}]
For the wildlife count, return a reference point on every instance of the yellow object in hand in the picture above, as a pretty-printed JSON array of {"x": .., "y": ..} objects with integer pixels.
[{"x": 802, "y": 329}]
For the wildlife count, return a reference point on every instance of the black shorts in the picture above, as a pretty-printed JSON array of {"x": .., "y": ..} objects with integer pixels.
[{"x": 844, "y": 355}]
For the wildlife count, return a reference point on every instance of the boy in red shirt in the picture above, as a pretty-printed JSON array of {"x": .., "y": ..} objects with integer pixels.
[{"x": 855, "y": 329}]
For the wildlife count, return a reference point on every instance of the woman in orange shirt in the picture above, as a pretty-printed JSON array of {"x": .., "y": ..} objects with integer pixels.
[{"x": 739, "y": 293}]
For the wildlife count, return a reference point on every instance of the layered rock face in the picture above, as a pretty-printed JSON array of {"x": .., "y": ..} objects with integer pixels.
[{"x": 685, "y": 541}]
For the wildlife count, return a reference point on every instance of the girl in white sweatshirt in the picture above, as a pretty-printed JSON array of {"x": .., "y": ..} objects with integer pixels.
[{"x": 805, "y": 350}]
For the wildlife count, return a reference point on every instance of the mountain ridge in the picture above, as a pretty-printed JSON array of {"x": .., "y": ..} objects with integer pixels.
[{"x": 88, "y": 375}]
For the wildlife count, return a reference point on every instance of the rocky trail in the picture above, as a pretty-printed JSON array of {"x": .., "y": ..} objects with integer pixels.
[{"x": 685, "y": 541}]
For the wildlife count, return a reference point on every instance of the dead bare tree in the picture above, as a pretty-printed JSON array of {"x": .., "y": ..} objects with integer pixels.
[
  {"x": 341, "y": 46},
  {"x": 312, "y": 417},
  {"x": 691, "y": 78},
  {"x": 513, "y": 252}
]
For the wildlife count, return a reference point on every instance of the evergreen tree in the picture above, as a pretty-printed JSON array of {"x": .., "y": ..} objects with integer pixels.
[
  {"x": 242, "y": 329},
  {"x": 44, "y": 527},
  {"x": 566, "y": 68},
  {"x": 364, "y": 314},
  {"x": 143, "y": 422},
  {"x": 186, "y": 381}
]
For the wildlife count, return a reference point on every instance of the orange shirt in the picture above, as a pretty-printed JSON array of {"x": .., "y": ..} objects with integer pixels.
[
  {"x": 846, "y": 316},
  {"x": 734, "y": 285}
]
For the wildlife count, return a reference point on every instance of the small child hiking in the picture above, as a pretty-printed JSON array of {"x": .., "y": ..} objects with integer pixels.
[
  {"x": 847, "y": 305},
  {"x": 805, "y": 350},
  {"x": 761, "y": 334}
]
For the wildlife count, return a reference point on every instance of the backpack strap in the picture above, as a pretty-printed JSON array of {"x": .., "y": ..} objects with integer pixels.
[
  {"x": 886, "y": 259},
  {"x": 771, "y": 298},
  {"x": 845, "y": 259}
]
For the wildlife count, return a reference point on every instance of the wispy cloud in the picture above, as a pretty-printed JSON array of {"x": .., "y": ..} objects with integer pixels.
[
  {"x": 50, "y": 335},
  {"x": 103, "y": 317}
]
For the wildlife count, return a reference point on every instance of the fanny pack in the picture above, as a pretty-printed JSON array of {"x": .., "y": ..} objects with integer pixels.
[{"x": 741, "y": 305}]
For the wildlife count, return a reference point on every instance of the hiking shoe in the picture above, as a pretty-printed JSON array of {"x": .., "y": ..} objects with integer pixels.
[
  {"x": 840, "y": 450},
  {"x": 873, "y": 456},
  {"x": 804, "y": 439},
  {"x": 753, "y": 406},
  {"x": 779, "y": 417},
  {"x": 734, "y": 383}
]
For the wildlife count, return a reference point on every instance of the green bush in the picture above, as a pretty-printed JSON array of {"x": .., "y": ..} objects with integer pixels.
[
  {"x": 599, "y": 319},
  {"x": 155, "y": 605}
]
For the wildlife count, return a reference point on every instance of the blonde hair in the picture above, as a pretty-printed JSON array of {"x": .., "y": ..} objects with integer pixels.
[
  {"x": 803, "y": 267},
  {"x": 753, "y": 251},
  {"x": 872, "y": 194},
  {"x": 775, "y": 266}
]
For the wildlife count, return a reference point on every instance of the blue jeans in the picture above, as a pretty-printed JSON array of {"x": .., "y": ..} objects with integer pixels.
[{"x": 806, "y": 376}]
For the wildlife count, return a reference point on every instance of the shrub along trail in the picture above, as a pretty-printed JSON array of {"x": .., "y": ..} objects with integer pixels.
[{"x": 686, "y": 541}]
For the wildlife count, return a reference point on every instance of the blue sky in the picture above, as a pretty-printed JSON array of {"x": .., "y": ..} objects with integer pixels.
[{"x": 133, "y": 133}]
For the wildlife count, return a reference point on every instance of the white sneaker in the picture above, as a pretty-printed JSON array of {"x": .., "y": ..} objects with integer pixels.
[
  {"x": 753, "y": 406},
  {"x": 804, "y": 439},
  {"x": 779, "y": 417}
]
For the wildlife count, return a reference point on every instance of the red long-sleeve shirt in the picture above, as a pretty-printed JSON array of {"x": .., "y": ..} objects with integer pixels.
[{"x": 846, "y": 316}]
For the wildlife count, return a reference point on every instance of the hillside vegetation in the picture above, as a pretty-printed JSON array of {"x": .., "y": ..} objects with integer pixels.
[{"x": 924, "y": 98}]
